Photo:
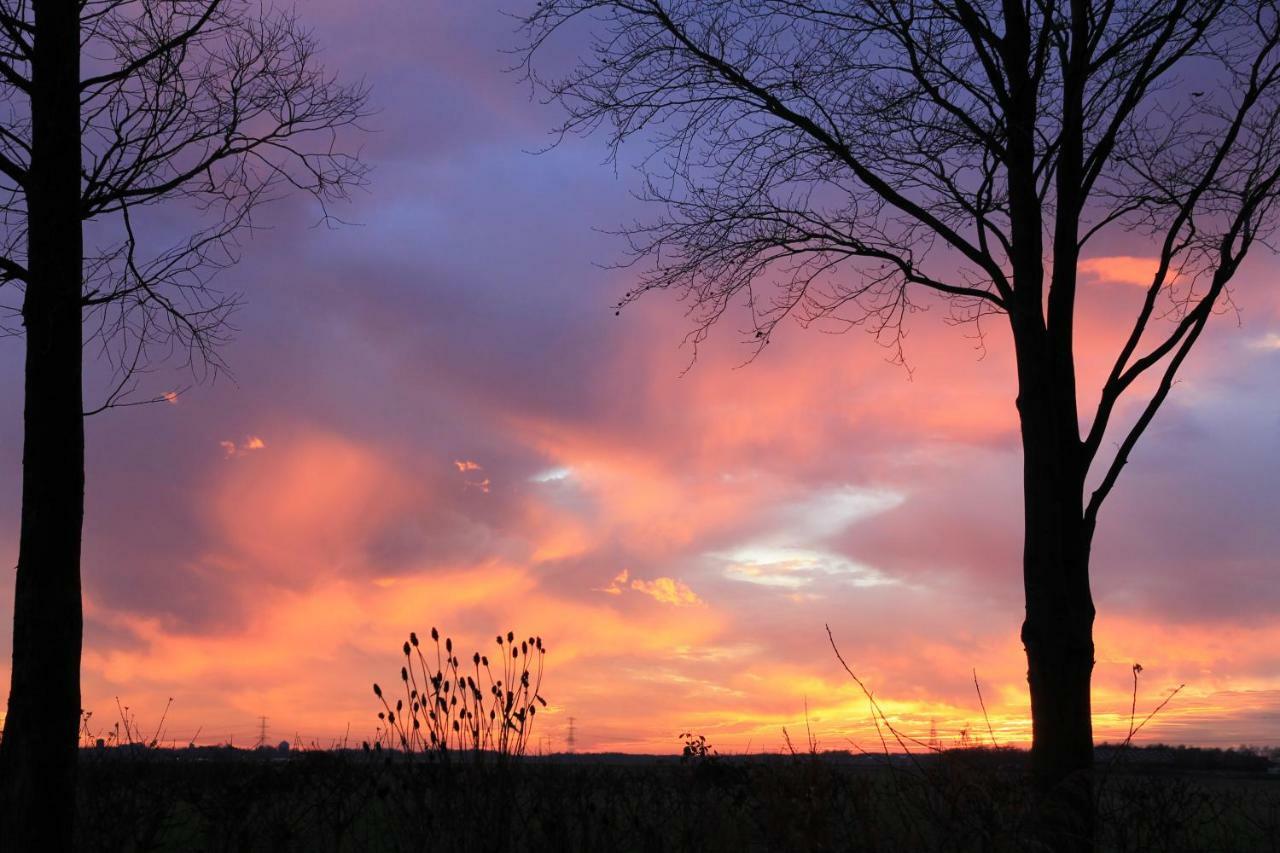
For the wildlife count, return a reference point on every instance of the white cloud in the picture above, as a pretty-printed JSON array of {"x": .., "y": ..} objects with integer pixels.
[
  {"x": 830, "y": 512},
  {"x": 552, "y": 475},
  {"x": 792, "y": 555},
  {"x": 793, "y": 568},
  {"x": 1269, "y": 342}
]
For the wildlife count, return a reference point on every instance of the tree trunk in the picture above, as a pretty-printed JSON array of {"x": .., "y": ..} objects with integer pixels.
[
  {"x": 39, "y": 750},
  {"x": 1058, "y": 630}
]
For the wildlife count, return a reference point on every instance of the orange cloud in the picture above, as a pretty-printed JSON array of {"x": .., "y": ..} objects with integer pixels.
[
  {"x": 661, "y": 589},
  {"x": 1120, "y": 269},
  {"x": 230, "y": 449},
  {"x": 309, "y": 507},
  {"x": 667, "y": 591},
  {"x": 616, "y": 585}
]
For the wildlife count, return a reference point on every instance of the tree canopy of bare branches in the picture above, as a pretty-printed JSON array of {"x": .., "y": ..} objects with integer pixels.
[{"x": 217, "y": 105}]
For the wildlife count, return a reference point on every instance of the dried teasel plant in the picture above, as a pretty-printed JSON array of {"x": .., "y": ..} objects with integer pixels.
[{"x": 484, "y": 708}]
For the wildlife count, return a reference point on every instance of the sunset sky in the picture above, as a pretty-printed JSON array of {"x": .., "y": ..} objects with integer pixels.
[{"x": 433, "y": 418}]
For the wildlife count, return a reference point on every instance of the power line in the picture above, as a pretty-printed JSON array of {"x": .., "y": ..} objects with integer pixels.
[{"x": 262, "y": 731}]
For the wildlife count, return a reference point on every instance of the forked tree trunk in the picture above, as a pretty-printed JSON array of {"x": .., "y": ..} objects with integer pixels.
[
  {"x": 39, "y": 750},
  {"x": 1058, "y": 630}
]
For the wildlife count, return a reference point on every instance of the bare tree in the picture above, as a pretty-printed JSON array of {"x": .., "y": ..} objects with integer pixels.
[
  {"x": 840, "y": 158},
  {"x": 111, "y": 108}
]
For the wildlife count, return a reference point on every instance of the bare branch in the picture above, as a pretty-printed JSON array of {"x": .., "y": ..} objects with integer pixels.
[
  {"x": 1144, "y": 419},
  {"x": 214, "y": 107},
  {"x": 176, "y": 38}
]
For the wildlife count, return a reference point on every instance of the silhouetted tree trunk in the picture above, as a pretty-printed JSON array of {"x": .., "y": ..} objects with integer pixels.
[
  {"x": 1057, "y": 631},
  {"x": 38, "y": 754}
]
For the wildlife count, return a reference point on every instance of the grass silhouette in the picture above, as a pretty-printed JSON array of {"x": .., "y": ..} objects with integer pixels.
[{"x": 448, "y": 707}]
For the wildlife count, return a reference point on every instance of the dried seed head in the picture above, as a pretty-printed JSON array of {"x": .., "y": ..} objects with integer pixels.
[
  {"x": 448, "y": 645},
  {"x": 435, "y": 635},
  {"x": 499, "y": 639},
  {"x": 404, "y": 674},
  {"x": 511, "y": 636},
  {"x": 377, "y": 691},
  {"x": 413, "y": 638},
  {"x": 476, "y": 658},
  {"x": 406, "y": 649}
]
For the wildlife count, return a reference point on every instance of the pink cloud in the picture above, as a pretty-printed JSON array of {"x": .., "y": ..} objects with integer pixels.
[{"x": 1119, "y": 269}]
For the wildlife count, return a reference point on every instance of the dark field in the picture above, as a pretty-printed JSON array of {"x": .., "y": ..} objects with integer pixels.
[{"x": 962, "y": 800}]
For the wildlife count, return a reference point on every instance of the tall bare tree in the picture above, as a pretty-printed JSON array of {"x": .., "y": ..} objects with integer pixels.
[
  {"x": 838, "y": 158},
  {"x": 111, "y": 108}
]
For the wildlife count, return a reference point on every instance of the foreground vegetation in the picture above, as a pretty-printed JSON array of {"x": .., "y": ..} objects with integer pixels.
[{"x": 218, "y": 799}]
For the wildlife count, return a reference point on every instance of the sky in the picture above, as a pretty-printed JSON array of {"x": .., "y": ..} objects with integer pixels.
[{"x": 433, "y": 418}]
